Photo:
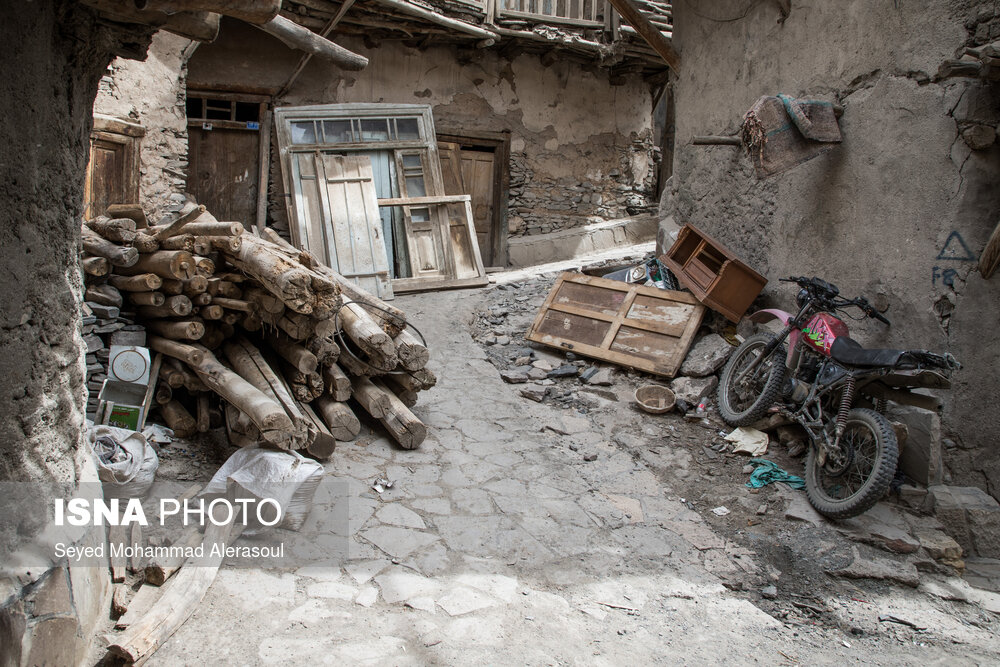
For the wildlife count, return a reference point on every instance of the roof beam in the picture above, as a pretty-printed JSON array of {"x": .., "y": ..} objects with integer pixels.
[
  {"x": 299, "y": 37},
  {"x": 304, "y": 60},
  {"x": 649, "y": 32},
  {"x": 440, "y": 19}
]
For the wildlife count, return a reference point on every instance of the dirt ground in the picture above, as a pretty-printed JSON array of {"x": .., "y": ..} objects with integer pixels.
[{"x": 576, "y": 530}]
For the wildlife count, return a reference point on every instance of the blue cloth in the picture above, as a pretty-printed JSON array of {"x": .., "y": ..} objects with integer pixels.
[{"x": 768, "y": 472}]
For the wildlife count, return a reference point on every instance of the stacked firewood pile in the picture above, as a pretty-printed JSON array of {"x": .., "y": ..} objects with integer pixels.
[{"x": 294, "y": 349}]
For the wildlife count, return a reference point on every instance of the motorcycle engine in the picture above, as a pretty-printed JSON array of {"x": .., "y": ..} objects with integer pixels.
[{"x": 830, "y": 372}]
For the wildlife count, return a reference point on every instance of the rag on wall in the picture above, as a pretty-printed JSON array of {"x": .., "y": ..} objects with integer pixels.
[{"x": 781, "y": 132}]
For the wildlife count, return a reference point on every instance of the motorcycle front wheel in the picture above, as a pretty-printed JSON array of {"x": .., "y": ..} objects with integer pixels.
[
  {"x": 742, "y": 401},
  {"x": 852, "y": 482}
]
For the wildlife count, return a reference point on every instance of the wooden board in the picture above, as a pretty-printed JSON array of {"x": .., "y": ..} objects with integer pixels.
[
  {"x": 224, "y": 171},
  {"x": 990, "y": 257},
  {"x": 631, "y": 325},
  {"x": 112, "y": 175},
  {"x": 337, "y": 218}
]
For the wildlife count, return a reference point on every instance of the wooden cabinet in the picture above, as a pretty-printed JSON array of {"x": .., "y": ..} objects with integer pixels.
[{"x": 713, "y": 273}]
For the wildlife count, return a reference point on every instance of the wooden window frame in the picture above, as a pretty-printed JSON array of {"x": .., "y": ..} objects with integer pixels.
[{"x": 503, "y": 11}]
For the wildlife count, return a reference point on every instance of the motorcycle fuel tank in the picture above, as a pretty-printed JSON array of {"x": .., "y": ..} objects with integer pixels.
[{"x": 820, "y": 332}]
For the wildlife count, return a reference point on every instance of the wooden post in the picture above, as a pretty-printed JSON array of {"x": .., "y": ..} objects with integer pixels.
[
  {"x": 177, "y": 329},
  {"x": 175, "y": 264},
  {"x": 413, "y": 355},
  {"x": 144, "y": 282},
  {"x": 147, "y": 298},
  {"x": 402, "y": 424},
  {"x": 371, "y": 397}
]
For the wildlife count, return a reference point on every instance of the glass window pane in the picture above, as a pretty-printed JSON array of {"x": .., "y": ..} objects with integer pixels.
[
  {"x": 407, "y": 129},
  {"x": 337, "y": 131},
  {"x": 374, "y": 129},
  {"x": 412, "y": 161},
  {"x": 415, "y": 186},
  {"x": 420, "y": 214},
  {"x": 303, "y": 132}
]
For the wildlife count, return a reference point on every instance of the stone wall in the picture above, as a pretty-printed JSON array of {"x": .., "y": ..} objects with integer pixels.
[
  {"x": 581, "y": 149},
  {"x": 899, "y": 211},
  {"x": 152, "y": 93}
]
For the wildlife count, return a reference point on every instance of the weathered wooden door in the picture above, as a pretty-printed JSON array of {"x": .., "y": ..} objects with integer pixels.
[
  {"x": 113, "y": 171},
  {"x": 223, "y": 171},
  {"x": 337, "y": 217},
  {"x": 472, "y": 171}
]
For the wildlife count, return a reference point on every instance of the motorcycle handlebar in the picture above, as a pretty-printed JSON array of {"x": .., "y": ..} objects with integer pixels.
[{"x": 827, "y": 293}]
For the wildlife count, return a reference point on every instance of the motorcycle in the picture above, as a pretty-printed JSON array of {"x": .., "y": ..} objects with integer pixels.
[{"x": 835, "y": 389}]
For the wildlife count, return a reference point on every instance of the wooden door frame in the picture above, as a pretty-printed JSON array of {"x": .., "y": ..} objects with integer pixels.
[
  {"x": 263, "y": 133},
  {"x": 129, "y": 136},
  {"x": 500, "y": 143}
]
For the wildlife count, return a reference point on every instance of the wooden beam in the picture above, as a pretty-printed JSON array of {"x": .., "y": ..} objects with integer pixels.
[
  {"x": 251, "y": 11},
  {"x": 304, "y": 60},
  {"x": 439, "y": 19},
  {"x": 299, "y": 37},
  {"x": 649, "y": 32},
  {"x": 199, "y": 26}
]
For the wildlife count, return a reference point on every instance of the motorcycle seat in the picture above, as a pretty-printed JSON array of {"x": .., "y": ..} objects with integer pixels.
[{"x": 850, "y": 352}]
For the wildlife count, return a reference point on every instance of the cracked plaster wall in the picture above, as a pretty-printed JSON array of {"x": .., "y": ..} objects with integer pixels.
[
  {"x": 874, "y": 214},
  {"x": 581, "y": 149}
]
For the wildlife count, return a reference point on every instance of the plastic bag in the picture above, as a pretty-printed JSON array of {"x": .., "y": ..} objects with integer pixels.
[
  {"x": 255, "y": 473},
  {"x": 126, "y": 462}
]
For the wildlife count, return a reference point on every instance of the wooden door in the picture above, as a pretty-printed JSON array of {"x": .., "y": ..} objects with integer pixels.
[
  {"x": 337, "y": 217},
  {"x": 113, "y": 171},
  {"x": 471, "y": 172},
  {"x": 223, "y": 171}
]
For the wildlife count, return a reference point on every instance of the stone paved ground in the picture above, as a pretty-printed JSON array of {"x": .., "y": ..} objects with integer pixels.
[{"x": 499, "y": 544}]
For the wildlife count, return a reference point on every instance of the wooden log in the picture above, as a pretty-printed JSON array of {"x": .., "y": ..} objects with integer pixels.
[
  {"x": 191, "y": 382},
  {"x": 169, "y": 264},
  {"x": 195, "y": 285},
  {"x": 173, "y": 286},
  {"x": 98, "y": 246},
  {"x": 211, "y": 312},
  {"x": 117, "y": 536},
  {"x": 147, "y": 298},
  {"x": 178, "y": 419},
  {"x": 203, "y": 419},
  {"x": 231, "y": 318},
  {"x": 232, "y": 277},
  {"x": 363, "y": 330},
  {"x": 298, "y": 356},
  {"x": 298, "y": 327},
  {"x": 96, "y": 266},
  {"x": 440, "y": 19},
  {"x": 177, "y": 329},
  {"x": 229, "y": 290},
  {"x": 225, "y": 243},
  {"x": 119, "y": 604},
  {"x": 406, "y": 394},
  {"x": 141, "y": 602},
  {"x": 373, "y": 399},
  {"x": 173, "y": 227},
  {"x": 164, "y": 392},
  {"x": 172, "y": 376},
  {"x": 354, "y": 366},
  {"x": 213, "y": 337},
  {"x": 402, "y": 424},
  {"x": 148, "y": 633},
  {"x": 233, "y": 304},
  {"x": 175, "y": 306},
  {"x": 300, "y": 288},
  {"x": 338, "y": 417},
  {"x": 299, "y": 37},
  {"x": 391, "y": 318},
  {"x": 158, "y": 572},
  {"x": 322, "y": 442},
  {"x": 407, "y": 381},
  {"x": 326, "y": 350},
  {"x": 204, "y": 266},
  {"x": 145, "y": 243},
  {"x": 425, "y": 377},
  {"x": 106, "y": 295},
  {"x": 338, "y": 385},
  {"x": 186, "y": 353},
  {"x": 119, "y": 230},
  {"x": 199, "y": 26},
  {"x": 214, "y": 228},
  {"x": 202, "y": 299},
  {"x": 132, "y": 211},
  {"x": 180, "y": 242},
  {"x": 143, "y": 282},
  {"x": 413, "y": 355},
  {"x": 251, "y": 11},
  {"x": 247, "y": 360},
  {"x": 252, "y": 322},
  {"x": 266, "y": 414}
]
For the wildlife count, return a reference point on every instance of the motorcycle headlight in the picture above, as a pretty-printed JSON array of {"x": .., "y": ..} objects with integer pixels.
[{"x": 802, "y": 297}]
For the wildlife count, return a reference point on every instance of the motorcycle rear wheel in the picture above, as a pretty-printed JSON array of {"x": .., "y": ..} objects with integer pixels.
[
  {"x": 743, "y": 404},
  {"x": 870, "y": 445}
]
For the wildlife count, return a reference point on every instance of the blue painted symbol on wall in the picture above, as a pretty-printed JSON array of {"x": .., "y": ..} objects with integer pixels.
[{"x": 955, "y": 248}]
